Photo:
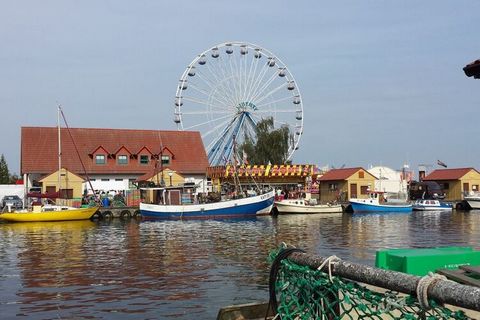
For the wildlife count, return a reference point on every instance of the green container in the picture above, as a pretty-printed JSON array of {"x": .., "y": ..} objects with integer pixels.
[{"x": 421, "y": 261}]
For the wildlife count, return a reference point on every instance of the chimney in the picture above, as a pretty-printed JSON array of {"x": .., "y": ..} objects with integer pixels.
[{"x": 421, "y": 173}]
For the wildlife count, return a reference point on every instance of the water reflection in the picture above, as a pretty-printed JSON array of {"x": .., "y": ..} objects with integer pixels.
[{"x": 187, "y": 269}]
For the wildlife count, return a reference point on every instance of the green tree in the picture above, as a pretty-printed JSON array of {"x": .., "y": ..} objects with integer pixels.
[
  {"x": 271, "y": 145},
  {"x": 4, "y": 174}
]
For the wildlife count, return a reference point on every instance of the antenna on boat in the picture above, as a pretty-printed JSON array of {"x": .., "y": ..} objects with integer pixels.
[{"x": 59, "y": 151}]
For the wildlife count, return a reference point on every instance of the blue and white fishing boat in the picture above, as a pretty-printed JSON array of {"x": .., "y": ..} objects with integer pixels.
[
  {"x": 242, "y": 207},
  {"x": 377, "y": 203},
  {"x": 431, "y": 205}
]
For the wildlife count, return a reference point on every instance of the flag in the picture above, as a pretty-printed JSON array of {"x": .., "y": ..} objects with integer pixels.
[{"x": 440, "y": 163}]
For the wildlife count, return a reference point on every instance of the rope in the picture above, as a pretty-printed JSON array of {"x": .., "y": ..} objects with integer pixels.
[
  {"x": 331, "y": 261},
  {"x": 422, "y": 288},
  {"x": 284, "y": 253}
]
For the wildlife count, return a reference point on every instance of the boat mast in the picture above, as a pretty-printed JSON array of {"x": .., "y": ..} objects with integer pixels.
[{"x": 59, "y": 152}]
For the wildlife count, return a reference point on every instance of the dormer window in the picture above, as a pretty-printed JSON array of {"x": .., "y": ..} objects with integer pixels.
[
  {"x": 165, "y": 160},
  {"x": 122, "y": 159},
  {"x": 100, "y": 159},
  {"x": 144, "y": 159}
]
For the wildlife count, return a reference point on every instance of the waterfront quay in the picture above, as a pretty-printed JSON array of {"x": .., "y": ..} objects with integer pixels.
[{"x": 133, "y": 269}]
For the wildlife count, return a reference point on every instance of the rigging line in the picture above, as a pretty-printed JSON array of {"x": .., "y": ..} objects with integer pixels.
[
  {"x": 206, "y": 122},
  {"x": 78, "y": 154},
  {"x": 221, "y": 82},
  {"x": 259, "y": 80},
  {"x": 271, "y": 92},
  {"x": 275, "y": 101},
  {"x": 265, "y": 86},
  {"x": 214, "y": 106}
]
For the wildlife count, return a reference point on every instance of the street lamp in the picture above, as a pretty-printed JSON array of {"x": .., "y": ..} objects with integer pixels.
[{"x": 170, "y": 174}]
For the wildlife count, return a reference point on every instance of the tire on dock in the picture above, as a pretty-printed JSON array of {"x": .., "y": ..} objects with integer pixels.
[
  {"x": 125, "y": 214},
  {"x": 108, "y": 215},
  {"x": 136, "y": 213},
  {"x": 97, "y": 215}
]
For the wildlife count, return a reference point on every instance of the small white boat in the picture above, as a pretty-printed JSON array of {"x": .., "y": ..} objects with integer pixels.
[
  {"x": 431, "y": 205},
  {"x": 306, "y": 206},
  {"x": 473, "y": 200}
]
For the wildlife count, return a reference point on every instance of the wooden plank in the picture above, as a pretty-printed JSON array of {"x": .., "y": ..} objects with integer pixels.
[
  {"x": 472, "y": 269},
  {"x": 459, "y": 276}
]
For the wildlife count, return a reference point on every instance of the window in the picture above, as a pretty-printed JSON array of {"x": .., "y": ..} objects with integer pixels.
[
  {"x": 122, "y": 159},
  {"x": 105, "y": 179},
  {"x": 361, "y": 175},
  {"x": 100, "y": 159},
  {"x": 475, "y": 187},
  {"x": 364, "y": 189},
  {"x": 118, "y": 179},
  {"x": 165, "y": 159},
  {"x": 333, "y": 186},
  {"x": 144, "y": 159},
  {"x": 445, "y": 185}
]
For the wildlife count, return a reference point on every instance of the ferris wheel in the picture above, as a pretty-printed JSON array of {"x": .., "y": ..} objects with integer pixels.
[{"x": 226, "y": 90}]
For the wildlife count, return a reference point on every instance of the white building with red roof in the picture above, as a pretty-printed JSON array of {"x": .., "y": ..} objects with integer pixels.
[{"x": 112, "y": 158}]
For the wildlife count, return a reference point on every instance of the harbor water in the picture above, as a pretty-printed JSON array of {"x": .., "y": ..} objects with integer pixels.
[{"x": 188, "y": 269}]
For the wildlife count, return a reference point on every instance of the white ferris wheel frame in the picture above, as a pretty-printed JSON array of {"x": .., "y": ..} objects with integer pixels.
[{"x": 236, "y": 99}]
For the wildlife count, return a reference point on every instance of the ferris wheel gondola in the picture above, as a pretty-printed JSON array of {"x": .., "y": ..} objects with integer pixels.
[{"x": 226, "y": 90}]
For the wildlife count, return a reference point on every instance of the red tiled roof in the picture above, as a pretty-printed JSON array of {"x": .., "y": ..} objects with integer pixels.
[
  {"x": 448, "y": 174},
  {"x": 339, "y": 174},
  {"x": 39, "y": 149}
]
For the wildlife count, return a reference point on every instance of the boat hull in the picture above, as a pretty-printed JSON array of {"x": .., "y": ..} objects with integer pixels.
[
  {"x": 252, "y": 206},
  {"x": 474, "y": 203},
  {"x": 372, "y": 207},
  {"x": 287, "y": 208},
  {"x": 438, "y": 207},
  {"x": 63, "y": 215}
]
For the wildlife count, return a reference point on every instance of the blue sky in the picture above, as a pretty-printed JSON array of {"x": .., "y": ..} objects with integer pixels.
[{"x": 382, "y": 81}]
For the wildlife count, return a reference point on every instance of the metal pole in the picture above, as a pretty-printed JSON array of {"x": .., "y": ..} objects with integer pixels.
[
  {"x": 59, "y": 153},
  {"x": 443, "y": 291}
]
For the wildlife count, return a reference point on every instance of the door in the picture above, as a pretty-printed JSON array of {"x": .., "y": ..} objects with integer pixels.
[
  {"x": 353, "y": 190},
  {"x": 174, "y": 196},
  {"x": 466, "y": 188}
]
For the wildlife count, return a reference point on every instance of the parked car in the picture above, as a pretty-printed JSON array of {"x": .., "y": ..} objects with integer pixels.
[{"x": 14, "y": 201}]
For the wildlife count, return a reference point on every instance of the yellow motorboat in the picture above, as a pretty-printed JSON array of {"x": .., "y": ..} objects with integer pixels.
[{"x": 49, "y": 213}]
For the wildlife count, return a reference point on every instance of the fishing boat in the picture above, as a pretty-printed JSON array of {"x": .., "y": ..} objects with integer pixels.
[
  {"x": 49, "y": 213},
  {"x": 306, "y": 206},
  {"x": 431, "y": 205},
  {"x": 376, "y": 202},
  {"x": 473, "y": 200},
  {"x": 236, "y": 207}
]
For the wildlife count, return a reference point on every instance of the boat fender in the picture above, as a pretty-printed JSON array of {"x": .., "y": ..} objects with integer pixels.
[
  {"x": 125, "y": 214},
  {"x": 97, "y": 215},
  {"x": 108, "y": 215}
]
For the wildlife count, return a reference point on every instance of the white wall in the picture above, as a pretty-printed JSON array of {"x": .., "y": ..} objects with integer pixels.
[
  {"x": 110, "y": 182},
  {"x": 11, "y": 190}
]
